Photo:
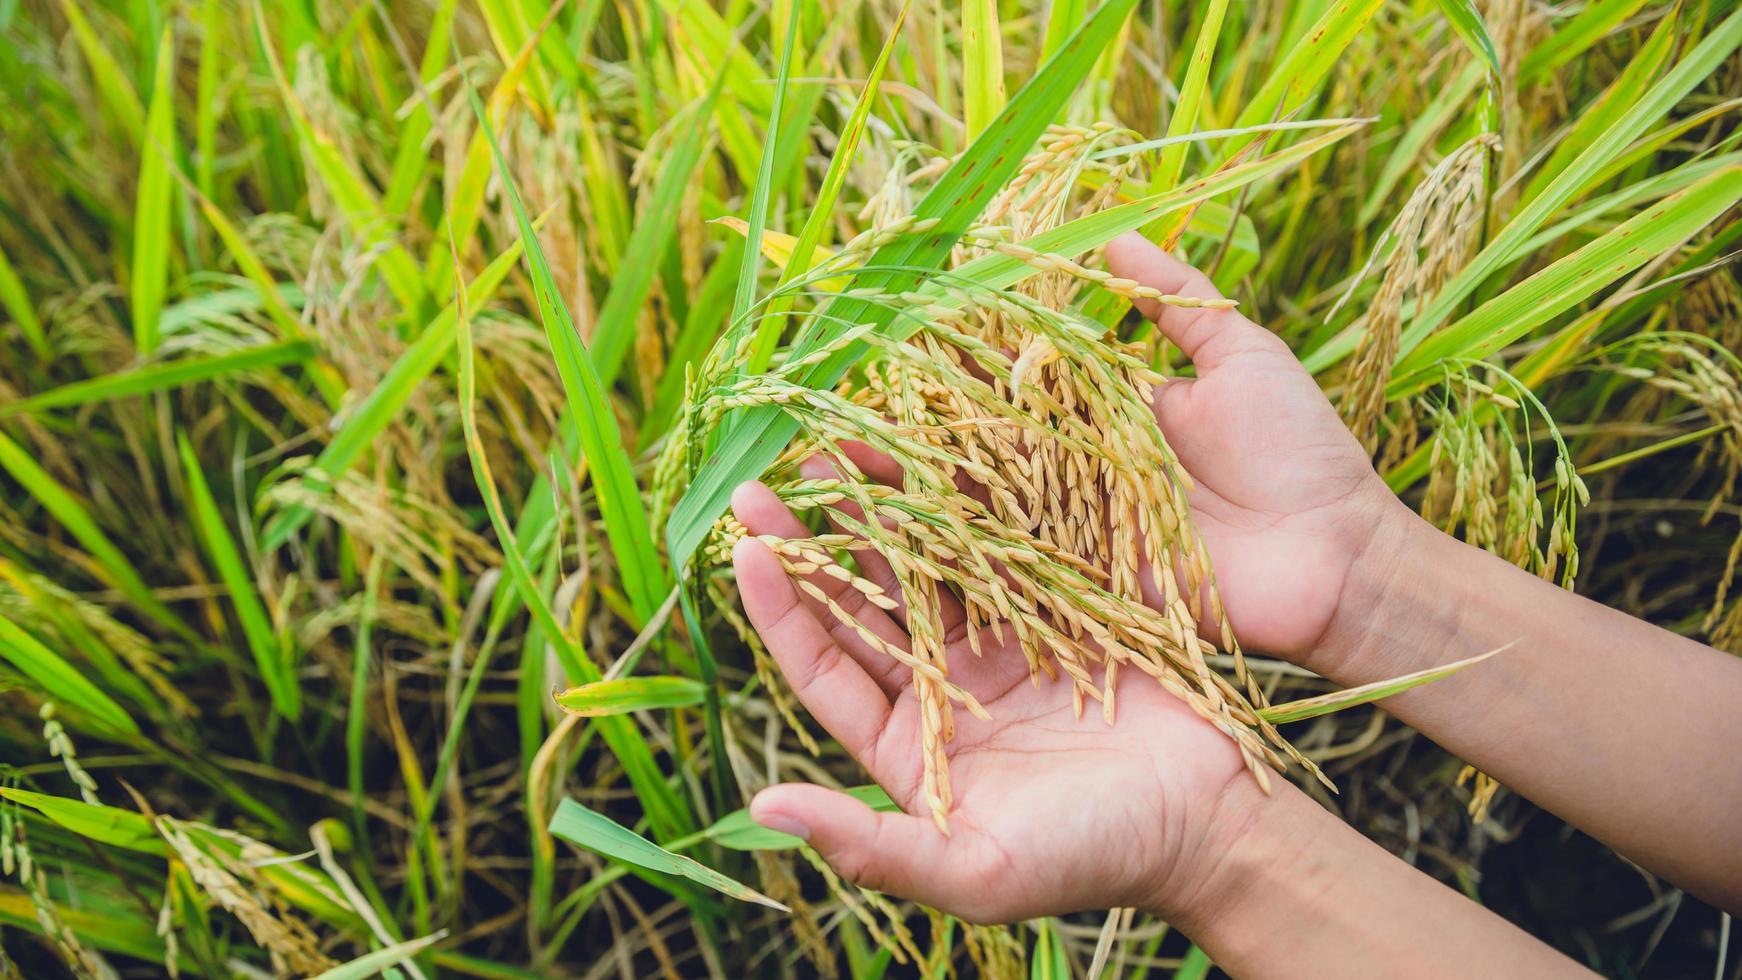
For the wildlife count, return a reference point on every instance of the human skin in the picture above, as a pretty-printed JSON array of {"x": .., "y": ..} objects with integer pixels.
[{"x": 1624, "y": 730}]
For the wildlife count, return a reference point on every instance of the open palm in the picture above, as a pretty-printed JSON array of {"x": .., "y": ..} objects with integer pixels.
[
  {"x": 1051, "y": 812},
  {"x": 1038, "y": 791},
  {"x": 1285, "y": 499}
]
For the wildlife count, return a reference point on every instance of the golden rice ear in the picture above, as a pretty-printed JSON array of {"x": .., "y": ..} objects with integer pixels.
[{"x": 1036, "y": 487}]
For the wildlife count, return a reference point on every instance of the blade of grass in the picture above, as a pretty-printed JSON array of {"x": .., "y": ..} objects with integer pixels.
[
  {"x": 163, "y": 376},
  {"x": 412, "y": 156},
  {"x": 620, "y": 315},
  {"x": 1573, "y": 38},
  {"x": 597, "y": 832},
  {"x": 601, "y": 440},
  {"x": 16, "y": 302},
  {"x": 466, "y": 200},
  {"x": 356, "y": 717},
  {"x": 982, "y": 65},
  {"x": 1466, "y": 21},
  {"x": 621, "y": 695},
  {"x": 275, "y": 662},
  {"x": 1712, "y": 50},
  {"x": 1624, "y": 91},
  {"x": 802, "y": 254},
  {"x": 350, "y": 192},
  {"x": 997, "y": 270},
  {"x": 1062, "y": 16},
  {"x": 115, "y": 92},
  {"x": 382, "y": 960},
  {"x": 62, "y": 682},
  {"x": 766, "y": 335},
  {"x": 1297, "y": 76},
  {"x": 1513, "y": 314},
  {"x": 152, "y": 232},
  {"x": 666, "y": 810},
  {"x": 111, "y": 565},
  {"x": 103, "y": 824},
  {"x": 1171, "y": 164},
  {"x": 737, "y": 831},
  {"x": 1335, "y": 701}
]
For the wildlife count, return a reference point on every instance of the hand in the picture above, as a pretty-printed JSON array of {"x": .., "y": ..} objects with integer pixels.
[
  {"x": 1053, "y": 813},
  {"x": 1286, "y": 500}
]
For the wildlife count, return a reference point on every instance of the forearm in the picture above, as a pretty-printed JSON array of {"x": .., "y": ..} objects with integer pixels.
[
  {"x": 1301, "y": 894},
  {"x": 1625, "y": 730}
]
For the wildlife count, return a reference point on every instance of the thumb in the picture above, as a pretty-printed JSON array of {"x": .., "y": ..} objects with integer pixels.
[
  {"x": 1207, "y": 335},
  {"x": 883, "y": 851}
]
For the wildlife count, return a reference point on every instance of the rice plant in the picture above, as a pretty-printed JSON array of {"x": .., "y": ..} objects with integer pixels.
[{"x": 375, "y": 378}]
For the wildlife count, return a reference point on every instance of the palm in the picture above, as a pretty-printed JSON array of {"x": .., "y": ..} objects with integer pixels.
[
  {"x": 1023, "y": 783},
  {"x": 1285, "y": 497},
  {"x": 1024, "y": 838},
  {"x": 1052, "y": 812}
]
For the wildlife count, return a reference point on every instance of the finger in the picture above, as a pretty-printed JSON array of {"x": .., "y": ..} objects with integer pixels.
[
  {"x": 1207, "y": 336},
  {"x": 829, "y": 682},
  {"x": 763, "y": 513},
  {"x": 872, "y": 564},
  {"x": 888, "y": 852},
  {"x": 877, "y": 465}
]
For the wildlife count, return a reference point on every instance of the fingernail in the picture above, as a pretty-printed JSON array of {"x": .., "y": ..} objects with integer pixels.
[{"x": 784, "y": 824}]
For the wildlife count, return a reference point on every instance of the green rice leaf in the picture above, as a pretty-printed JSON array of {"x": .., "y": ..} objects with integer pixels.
[
  {"x": 412, "y": 156},
  {"x": 955, "y": 200},
  {"x": 103, "y": 824},
  {"x": 111, "y": 565},
  {"x": 666, "y": 810},
  {"x": 354, "y": 198},
  {"x": 465, "y": 198},
  {"x": 164, "y": 376},
  {"x": 1573, "y": 38},
  {"x": 737, "y": 831},
  {"x": 982, "y": 65},
  {"x": 270, "y": 655},
  {"x": 597, "y": 832},
  {"x": 621, "y": 695},
  {"x": 1623, "y": 92},
  {"x": 1336, "y": 701},
  {"x": 61, "y": 681},
  {"x": 1693, "y": 68},
  {"x": 997, "y": 270},
  {"x": 766, "y": 334},
  {"x": 1171, "y": 164},
  {"x": 816, "y": 224},
  {"x": 1466, "y": 21},
  {"x": 620, "y": 315},
  {"x": 16, "y": 302},
  {"x": 601, "y": 441},
  {"x": 1513, "y": 314},
  {"x": 1062, "y": 17},
  {"x": 152, "y": 234},
  {"x": 117, "y": 94},
  {"x": 1297, "y": 76}
]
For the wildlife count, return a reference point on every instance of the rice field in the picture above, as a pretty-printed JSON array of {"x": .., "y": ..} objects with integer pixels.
[{"x": 374, "y": 379}]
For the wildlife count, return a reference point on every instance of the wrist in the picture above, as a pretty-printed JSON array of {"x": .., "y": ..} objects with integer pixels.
[
  {"x": 1395, "y": 598},
  {"x": 1257, "y": 842}
]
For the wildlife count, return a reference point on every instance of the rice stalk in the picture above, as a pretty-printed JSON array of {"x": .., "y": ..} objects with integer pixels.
[{"x": 1074, "y": 501}]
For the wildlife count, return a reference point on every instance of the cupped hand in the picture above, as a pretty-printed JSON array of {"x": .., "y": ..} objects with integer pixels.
[
  {"x": 1286, "y": 501},
  {"x": 1052, "y": 813}
]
